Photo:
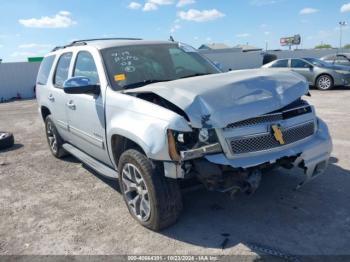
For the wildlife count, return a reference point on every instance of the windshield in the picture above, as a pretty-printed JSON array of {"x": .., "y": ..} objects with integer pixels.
[
  {"x": 317, "y": 62},
  {"x": 139, "y": 65}
]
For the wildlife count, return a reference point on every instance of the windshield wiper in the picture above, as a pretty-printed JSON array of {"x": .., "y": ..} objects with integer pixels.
[
  {"x": 145, "y": 82},
  {"x": 198, "y": 74}
]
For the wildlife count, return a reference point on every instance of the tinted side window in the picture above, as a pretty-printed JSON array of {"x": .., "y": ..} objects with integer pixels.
[
  {"x": 45, "y": 69},
  {"x": 341, "y": 58},
  {"x": 330, "y": 57},
  {"x": 62, "y": 68},
  {"x": 85, "y": 66},
  {"x": 280, "y": 63},
  {"x": 297, "y": 63},
  {"x": 186, "y": 61}
]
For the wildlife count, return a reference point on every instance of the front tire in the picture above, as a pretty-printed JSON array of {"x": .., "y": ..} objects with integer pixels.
[
  {"x": 152, "y": 199},
  {"x": 324, "y": 82},
  {"x": 53, "y": 138}
]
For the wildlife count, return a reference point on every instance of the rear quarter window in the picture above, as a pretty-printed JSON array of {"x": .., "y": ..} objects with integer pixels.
[
  {"x": 329, "y": 57},
  {"x": 45, "y": 69},
  {"x": 280, "y": 63}
]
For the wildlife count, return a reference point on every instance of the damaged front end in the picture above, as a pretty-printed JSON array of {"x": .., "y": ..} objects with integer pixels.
[
  {"x": 233, "y": 158},
  {"x": 243, "y": 123}
]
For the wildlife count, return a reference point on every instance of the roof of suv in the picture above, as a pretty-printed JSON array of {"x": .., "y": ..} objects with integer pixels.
[{"x": 111, "y": 42}]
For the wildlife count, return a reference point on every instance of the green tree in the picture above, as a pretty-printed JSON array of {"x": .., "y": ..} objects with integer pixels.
[
  {"x": 347, "y": 46},
  {"x": 323, "y": 46}
]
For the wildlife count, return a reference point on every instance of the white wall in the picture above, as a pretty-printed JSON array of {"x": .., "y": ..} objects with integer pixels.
[
  {"x": 17, "y": 78},
  {"x": 234, "y": 60}
]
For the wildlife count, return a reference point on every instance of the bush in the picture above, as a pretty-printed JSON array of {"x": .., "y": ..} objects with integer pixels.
[{"x": 323, "y": 46}]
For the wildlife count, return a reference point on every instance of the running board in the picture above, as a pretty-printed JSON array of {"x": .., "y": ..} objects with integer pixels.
[{"x": 91, "y": 162}]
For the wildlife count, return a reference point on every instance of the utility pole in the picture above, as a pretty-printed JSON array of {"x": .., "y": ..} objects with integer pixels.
[{"x": 341, "y": 25}]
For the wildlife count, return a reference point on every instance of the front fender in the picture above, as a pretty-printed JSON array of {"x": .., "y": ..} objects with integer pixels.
[{"x": 142, "y": 122}]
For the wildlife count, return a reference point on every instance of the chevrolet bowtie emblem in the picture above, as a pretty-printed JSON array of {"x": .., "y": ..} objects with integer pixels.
[{"x": 277, "y": 133}]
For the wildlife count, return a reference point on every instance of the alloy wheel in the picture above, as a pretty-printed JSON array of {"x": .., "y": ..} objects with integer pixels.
[
  {"x": 51, "y": 138},
  {"x": 136, "y": 192},
  {"x": 324, "y": 82}
]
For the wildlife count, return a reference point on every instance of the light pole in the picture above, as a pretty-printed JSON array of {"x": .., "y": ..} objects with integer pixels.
[{"x": 341, "y": 25}]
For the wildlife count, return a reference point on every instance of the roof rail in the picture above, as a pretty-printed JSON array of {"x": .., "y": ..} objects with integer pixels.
[
  {"x": 84, "y": 42},
  {"x": 101, "y": 39}
]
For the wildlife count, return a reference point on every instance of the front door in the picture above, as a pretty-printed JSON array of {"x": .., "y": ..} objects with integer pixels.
[
  {"x": 86, "y": 116},
  {"x": 303, "y": 68}
]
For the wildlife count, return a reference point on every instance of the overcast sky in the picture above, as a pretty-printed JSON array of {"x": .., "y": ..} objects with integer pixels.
[{"x": 33, "y": 27}]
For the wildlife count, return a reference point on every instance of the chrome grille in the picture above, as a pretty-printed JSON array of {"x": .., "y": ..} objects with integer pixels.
[
  {"x": 274, "y": 117},
  {"x": 267, "y": 141},
  {"x": 257, "y": 120}
]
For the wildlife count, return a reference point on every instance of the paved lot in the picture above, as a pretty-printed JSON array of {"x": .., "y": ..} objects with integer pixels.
[{"x": 50, "y": 206}]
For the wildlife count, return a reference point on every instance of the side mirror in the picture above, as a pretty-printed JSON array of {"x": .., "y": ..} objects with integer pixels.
[{"x": 80, "y": 85}]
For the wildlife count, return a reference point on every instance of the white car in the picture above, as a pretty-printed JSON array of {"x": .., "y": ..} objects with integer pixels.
[{"x": 152, "y": 113}]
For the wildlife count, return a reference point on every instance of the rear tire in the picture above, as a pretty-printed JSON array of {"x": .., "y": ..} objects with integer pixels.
[
  {"x": 53, "y": 138},
  {"x": 324, "y": 82},
  {"x": 152, "y": 199}
]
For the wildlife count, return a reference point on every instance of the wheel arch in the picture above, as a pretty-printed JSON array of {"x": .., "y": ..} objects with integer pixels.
[
  {"x": 120, "y": 144},
  {"x": 45, "y": 112}
]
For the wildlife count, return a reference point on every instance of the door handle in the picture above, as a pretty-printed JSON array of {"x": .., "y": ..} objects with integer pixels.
[
  {"x": 71, "y": 105},
  {"x": 51, "y": 98}
]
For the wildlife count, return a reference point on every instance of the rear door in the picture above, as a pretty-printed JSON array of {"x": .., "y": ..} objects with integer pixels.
[
  {"x": 42, "y": 88},
  {"x": 56, "y": 97},
  {"x": 86, "y": 117},
  {"x": 303, "y": 68}
]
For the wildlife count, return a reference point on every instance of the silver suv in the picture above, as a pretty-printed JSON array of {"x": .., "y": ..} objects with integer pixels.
[{"x": 154, "y": 113}]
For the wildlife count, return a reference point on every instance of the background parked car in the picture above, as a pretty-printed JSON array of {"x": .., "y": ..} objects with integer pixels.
[
  {"x": 321, "y": 74},
  {"x": 339, "y": 59}
]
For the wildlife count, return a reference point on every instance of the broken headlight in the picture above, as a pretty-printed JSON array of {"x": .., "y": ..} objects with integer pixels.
[
  {"x": 190, "y": 145},
  {"x": 197, "y": 138}
]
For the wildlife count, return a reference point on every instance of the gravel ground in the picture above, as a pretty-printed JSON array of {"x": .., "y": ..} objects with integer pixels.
[{"x": 60, "y": 207}]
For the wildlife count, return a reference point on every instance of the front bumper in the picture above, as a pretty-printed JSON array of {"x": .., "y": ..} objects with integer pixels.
[{"x": 313, "y": 155}]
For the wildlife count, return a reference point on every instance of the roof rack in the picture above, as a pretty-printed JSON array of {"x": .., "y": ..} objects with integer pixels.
[{"x": 84, "y": 42}]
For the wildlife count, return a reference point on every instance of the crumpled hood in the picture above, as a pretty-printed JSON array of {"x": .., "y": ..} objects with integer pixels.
[{"x": 220, "y": 99}]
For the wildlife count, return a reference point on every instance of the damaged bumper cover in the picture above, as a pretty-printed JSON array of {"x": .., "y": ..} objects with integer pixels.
[
  {"x": 313, "y": 155},
  {"x": 200, "y": 152}
]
